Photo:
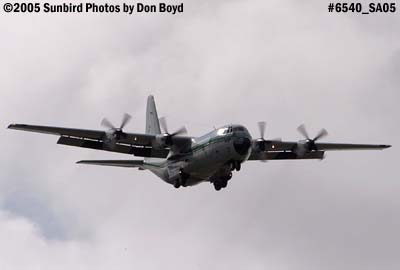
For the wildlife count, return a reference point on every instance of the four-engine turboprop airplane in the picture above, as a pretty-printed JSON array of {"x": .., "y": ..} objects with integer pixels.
[{"x": 186, "y": 161}]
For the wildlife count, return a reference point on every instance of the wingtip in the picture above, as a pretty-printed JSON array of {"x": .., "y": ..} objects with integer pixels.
[
  {"x": 16, "y": 126},
  {"x": 384, "y": 146},
  {"x": 85, "y": 162}
]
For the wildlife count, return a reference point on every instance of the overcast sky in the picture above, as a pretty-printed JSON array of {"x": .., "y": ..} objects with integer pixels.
[{"x": 220, "y": 62}]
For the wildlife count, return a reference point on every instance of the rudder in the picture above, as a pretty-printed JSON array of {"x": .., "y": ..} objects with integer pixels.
[{"x": 152, "y": 123}]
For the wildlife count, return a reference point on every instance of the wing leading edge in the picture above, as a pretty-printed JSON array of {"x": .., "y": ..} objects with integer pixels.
[{"x": 137, "y": 139}]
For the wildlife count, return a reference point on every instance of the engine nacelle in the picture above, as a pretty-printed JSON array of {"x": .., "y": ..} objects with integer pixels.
[
  {"x": 162, "y": 141},
  {"x": 259, "y": 145},
  {"x": 305, "y": 146}
]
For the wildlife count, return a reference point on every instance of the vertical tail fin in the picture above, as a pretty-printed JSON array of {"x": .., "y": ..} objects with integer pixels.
[
  {"x": 152, "y": 123},
  {"x": 153, "y": 128}
]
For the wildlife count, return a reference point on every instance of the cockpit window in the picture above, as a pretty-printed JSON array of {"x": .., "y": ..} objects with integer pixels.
[
  {"x": 238, "y": 129},
  {"x": 222, "y": 131}
]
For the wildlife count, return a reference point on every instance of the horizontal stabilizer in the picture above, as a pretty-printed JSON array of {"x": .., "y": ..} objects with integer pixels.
[{"x": 115, "y": 163}]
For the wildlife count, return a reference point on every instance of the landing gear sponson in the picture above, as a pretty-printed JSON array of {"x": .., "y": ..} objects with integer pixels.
[{"x": 181, "y": 181}]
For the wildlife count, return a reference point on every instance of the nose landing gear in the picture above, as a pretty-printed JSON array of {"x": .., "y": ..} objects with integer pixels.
[{"x": 235, "y": 165}]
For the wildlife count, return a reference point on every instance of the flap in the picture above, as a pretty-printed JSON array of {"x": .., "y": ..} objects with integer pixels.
[
  {"x": 119, "y": 148},
  {"x": 285, "y": 155}
]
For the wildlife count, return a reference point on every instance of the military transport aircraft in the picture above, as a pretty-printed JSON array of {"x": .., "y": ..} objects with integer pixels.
[{"x": 186, "y": 161}]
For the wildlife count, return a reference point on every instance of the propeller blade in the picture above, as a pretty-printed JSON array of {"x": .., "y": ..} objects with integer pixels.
[
  {"x": 180, "y": 131},
  {"x": 163, "y": 123},
  {"x": 321, "y": 134},
  {"x": 106, "y": 123},
  {"x": 261, "y": 127},
  {"x": 303, "y": 131},
  {"x": 125, "y": 120}
]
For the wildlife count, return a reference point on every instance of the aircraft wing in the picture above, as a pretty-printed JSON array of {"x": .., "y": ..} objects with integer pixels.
[
  {"x": 131, "y": 143},
  {"x": 270, "y": 150},
  {"x": 130, "y": 138},
  {"x": 349, "y": 146}
]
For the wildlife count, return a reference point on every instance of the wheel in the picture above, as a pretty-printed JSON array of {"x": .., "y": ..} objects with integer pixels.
[
  {"x": 217, "y": 186},
  {"x": 184, "y": 177},
  {"x": 183, "y": 181},
  {"x": 177, "y": 184},
  {"x": 233, "y": 166},
  {"x": 224, "y": 184},
  {"x": 238, "y": 166}
]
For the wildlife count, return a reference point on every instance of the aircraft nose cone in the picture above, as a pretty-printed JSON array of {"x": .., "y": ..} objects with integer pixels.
[{"x": 242, "y": 145}]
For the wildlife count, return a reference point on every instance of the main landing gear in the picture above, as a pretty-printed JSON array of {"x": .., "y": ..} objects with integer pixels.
[
  {"x": 222, "y": 182},
  {"x": 182, "y": 180}
]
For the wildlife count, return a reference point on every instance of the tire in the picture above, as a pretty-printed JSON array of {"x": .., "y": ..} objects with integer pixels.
[
  {"x": 217, "y": 186},
  {"x": 183, "y": 181},
  {"x": 238, "y": 166},
  {"x": 233, "y": 166},
  {"x": 177, "y": 184},
  {"x": 224, "y": 184},
  {"x": 184, "y": 177}
]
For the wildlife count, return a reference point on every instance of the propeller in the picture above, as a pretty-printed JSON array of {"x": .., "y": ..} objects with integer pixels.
[
  {"x": 262, "y": 143},
  {"x": 261, "y": 140},
  {"x": 261, "y": 128},
  {"x": 167, "y": 135},
  {"x": 116, "y": 133},
  {"x": 310, "y": 143},
  {"x": 125, "y": 119}
]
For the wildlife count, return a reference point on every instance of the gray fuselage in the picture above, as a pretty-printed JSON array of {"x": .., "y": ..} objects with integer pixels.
[{"x": 211, "y": 156}]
